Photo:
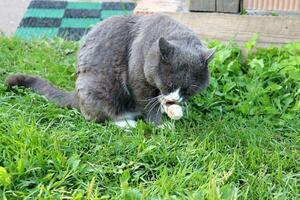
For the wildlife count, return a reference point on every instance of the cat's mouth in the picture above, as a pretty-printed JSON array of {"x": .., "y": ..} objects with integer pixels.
[
  {"x": 166, "y": 102},
  {"x": 169, "y": 103}
]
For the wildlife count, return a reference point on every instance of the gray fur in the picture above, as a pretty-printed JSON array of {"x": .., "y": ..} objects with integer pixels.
[
  {"x": 126, "y": 62},
  {"x": 43, "y": 87}
]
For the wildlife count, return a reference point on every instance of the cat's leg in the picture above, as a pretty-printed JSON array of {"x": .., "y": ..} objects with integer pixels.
[
  {"x": 90, "y": 108},
  {"x": 91, "y": 97},
  {"x": 101, "y": 99}
]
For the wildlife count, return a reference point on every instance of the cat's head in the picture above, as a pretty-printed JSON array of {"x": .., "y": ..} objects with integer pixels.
[{"x": 179, "y": 71}]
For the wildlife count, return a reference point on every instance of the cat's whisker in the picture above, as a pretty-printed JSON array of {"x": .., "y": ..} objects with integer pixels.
[
  {"x": 152, "y": 100},
  {"x": 149, "y": 104},
  {"x": 153, "y": 105},
  {"x": 197, "y": 87},
  {"x": 186, "y": 108},
  {"x": 158, "y": 111},
  {"x": 152, "y": 108}
]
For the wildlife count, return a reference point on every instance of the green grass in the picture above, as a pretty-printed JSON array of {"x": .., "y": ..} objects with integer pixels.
[{"x": 229, "y": 146}]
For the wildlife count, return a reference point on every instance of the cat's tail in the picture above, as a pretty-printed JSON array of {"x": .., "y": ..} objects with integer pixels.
[{"x": 43, "y": 87}]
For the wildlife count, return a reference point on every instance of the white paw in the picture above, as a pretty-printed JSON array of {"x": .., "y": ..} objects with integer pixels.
[{"x": 126, "y": 124}]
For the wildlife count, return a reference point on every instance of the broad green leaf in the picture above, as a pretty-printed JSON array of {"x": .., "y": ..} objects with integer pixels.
[
  {"x": 273, "y": 87},
  {"x": 295, "y": 74},
  {"x": 131, "y": 194},
  {"x": 74, "y": 162},
  {"x": 229, "y": 86},
  {"x": 5, "y": 178},
  {"x": 296, "y": 107},
  {"x": 257, "y": 63},
  {"x": 229, "y": 192},
  {"x": 124, "y": 179},
  {"x": 251, "y": 43}
]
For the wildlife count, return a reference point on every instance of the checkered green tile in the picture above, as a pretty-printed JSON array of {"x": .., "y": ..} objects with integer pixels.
[
  {"x": 34, "y": 32},
  {"x": 84, "y": 5},
  {"x": 79, "y": 22},
  {"x": 70, "y": 20},
  {"x": 44, "y": 13}
]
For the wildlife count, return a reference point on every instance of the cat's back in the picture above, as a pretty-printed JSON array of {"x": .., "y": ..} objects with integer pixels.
[{"x": 107, "y": 43}]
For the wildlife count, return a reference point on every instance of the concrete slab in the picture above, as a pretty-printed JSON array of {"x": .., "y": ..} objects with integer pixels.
[
  {"x": 11, "y": 13},
  {"x": 272, "y": 30},
  {"x": 153, "y": 6}
]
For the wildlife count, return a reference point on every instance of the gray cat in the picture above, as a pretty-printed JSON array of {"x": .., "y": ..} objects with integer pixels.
[{"x": 132, "y": 66}]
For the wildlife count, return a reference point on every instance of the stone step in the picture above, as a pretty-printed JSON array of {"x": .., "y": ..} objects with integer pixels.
[{"x": 153, "y": 6}]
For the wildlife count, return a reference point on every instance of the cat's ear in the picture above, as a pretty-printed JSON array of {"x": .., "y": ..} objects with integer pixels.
[
  {"x": 208, "y": 54},
  {"x": 166, "y": 49}
]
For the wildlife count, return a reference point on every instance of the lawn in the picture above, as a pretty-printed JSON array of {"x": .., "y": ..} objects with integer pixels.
[{"x": 240, "y": 139}]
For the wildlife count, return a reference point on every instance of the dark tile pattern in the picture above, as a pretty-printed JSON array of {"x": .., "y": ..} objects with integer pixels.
[
  {"x": 117, "y": 6},
  {"x": 48, "y": 4},
  {"x": 76, "y": 16},
  {"x": 40, "y": 22},
  {"x": 82, "y": 13}
]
